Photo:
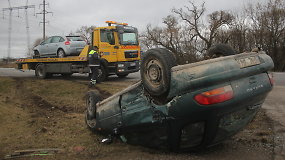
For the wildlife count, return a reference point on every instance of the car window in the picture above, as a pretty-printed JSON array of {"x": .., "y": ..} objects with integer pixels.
[
  {"x": 74, "y": 38},
  {"x": 61, "y": 39},
  {"x": 55, "y": 39},
  {"x": 46, "y": 41}
]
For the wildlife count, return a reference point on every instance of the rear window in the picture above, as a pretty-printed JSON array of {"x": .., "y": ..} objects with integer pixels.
[{"x": 74, "y": 38}]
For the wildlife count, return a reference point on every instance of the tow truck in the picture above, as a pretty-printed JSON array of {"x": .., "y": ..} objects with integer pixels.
[{"x": 119, "y": 51}]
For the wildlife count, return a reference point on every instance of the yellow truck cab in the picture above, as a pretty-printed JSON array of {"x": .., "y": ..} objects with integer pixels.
[
  {"x": 118, "y": 47},
  {"x": 119, "y": 51}
]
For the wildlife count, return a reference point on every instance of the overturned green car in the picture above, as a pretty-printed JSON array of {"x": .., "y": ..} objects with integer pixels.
[{"x": 184, "y": 107}]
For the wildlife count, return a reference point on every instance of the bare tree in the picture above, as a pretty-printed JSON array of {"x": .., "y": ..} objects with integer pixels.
[
  {"x": 85, "y": 32},
  {"x": 174, "y": 37},
  {"x": 193, "y": 16},
  {"x": 268, "y": 28},
  {"x": 189, "y": 33},
  {"x": 38, "y": 41}
]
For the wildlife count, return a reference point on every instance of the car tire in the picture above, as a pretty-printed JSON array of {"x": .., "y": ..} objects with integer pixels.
[
  {"x": 156, "y": 71},
  {"x": 122, "y": 75},
  {"x": 221, "y": 49},
  {"x": 40, "y": 71},
  {"x": 90, "y": 115},
  {"x": 60, "y": 53}
]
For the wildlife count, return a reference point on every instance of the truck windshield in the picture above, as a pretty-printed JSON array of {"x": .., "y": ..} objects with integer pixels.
[{"x": 128, "y": 38}]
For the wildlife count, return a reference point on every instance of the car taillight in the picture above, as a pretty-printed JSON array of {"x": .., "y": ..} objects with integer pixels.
[
  {"x": 67, "y": 42},
  {"x": 270, "y": 76},
  {"x": 214, "y": 96}
]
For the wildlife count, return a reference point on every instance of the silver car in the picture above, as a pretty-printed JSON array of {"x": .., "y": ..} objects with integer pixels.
[{"x": 59, "y": 46}]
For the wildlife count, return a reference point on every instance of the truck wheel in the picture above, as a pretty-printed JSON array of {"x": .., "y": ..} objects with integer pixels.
[
  {"x": 156, "y": 71},
  {"x": 122, "y": 75},
  {"x": 90, "y": 115},
  {"x": 40, "y": 71},
  {"x": 102, "y": 74},
  {"x": 60, "y": 53},
  {"x": 221, "y": 49}
]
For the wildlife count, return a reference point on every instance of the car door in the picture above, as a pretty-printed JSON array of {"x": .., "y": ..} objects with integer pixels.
[
  {"x": 109, "y": 113},
  {"x": 43, "y": 47},
  {"x": 135, "y": 107},
  {"x": 53, "y": 46}
]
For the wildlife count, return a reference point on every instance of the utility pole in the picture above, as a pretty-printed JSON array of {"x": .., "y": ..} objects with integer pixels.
[
  {"x": 44, "y": 12},
  {"x": 28, "y": 28},
  {"x": 10, "y": 9}
]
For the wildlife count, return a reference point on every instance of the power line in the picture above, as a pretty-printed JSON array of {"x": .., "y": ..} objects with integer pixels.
[
  {"x": 10, "y": 9},
  {"x": 28, "y": 29},
  {"x": 44, "y": 12}
]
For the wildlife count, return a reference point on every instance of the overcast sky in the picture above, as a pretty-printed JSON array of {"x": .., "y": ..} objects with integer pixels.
[{"x": 69, "y": 15}]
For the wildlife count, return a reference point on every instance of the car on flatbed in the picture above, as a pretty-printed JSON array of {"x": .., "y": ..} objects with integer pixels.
[
  {"x": 60, "y": 46},
  {"x": 117, "y": 44},
  {"x": 184, "y": 107}
]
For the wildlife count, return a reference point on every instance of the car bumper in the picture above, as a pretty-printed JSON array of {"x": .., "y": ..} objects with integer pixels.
[{"x": 127, "y": 67}]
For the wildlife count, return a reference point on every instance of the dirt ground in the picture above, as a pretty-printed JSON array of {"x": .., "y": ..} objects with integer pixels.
[
  {"x": 36, "y": 113},
  {"x": 7, "y": 65}
]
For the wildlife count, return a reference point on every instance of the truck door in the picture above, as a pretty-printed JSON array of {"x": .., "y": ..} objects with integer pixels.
[{"x": 107, "y": 45}]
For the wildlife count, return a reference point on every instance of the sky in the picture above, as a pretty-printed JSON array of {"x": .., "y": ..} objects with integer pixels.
[{"x": 69, "y": 15}]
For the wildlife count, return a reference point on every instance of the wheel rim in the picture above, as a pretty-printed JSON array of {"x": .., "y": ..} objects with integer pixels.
[
  {"x": 154, "y": 73},
  {"x": 60, "y": 53}
]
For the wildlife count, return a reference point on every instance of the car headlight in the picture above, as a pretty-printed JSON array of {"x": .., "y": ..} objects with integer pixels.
[{"x": 121, "y": 65}]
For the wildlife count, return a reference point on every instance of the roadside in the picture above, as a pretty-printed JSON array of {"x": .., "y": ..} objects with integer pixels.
[
  {"x": 274, "y": 106},
  {"x": 37, "y": 113},
  {"x": 7, "y": 65}
]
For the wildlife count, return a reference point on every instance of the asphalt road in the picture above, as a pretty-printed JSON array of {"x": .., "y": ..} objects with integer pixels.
[
  {"x": 279, "y": 78},
  {"x": 12, "y": 72}
]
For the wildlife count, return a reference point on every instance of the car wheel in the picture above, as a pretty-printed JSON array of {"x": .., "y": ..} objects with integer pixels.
[
  {"x": 60, "y": 53},
  {"x": 36, "y": 54},
  {"x": 90, "y": 115},
  {"x": 40, "y": 71},
  {"x": 156, "y": 71},
  {"x": 219, "y": 50},
  {"x": 122, "y": 75}
]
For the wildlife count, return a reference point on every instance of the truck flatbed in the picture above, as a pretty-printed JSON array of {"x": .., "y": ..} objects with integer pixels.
[{"x": 42, "y": 60}]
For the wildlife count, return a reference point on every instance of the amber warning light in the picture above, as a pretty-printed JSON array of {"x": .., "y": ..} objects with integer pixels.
[{"x": 114, "y": 22}]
